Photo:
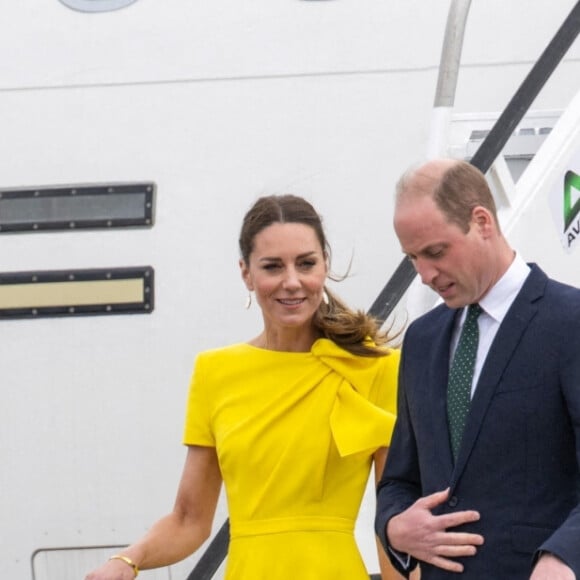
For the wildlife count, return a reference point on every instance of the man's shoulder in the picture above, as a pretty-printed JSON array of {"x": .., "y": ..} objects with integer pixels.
[
  {"x": 553, "y": 289},
  {"x": 437, "y": 313},
  {"x": 433, "y": 321}
]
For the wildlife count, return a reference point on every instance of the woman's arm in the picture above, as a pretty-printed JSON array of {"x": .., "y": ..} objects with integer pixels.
[{"x": 180, "y": 533}]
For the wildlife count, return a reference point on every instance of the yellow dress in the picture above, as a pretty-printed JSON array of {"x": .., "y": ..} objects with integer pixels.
[{"x": 295, "y": 434}]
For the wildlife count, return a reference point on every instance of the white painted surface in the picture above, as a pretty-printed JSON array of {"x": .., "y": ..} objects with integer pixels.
[{"x": 217, "y": 103}]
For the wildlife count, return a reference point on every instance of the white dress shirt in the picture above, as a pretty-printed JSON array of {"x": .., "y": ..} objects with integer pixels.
[{"x": 494, "y": 305}]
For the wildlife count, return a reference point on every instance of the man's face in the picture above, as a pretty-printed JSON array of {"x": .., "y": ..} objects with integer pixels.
[{"x": 453, "y": 263}]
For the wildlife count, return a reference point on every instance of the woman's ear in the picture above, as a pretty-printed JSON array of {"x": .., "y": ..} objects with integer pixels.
[{"x": 245, "y": 270}]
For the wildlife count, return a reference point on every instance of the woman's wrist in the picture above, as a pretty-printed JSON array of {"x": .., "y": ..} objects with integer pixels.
[{"x": 127, "y": 561}]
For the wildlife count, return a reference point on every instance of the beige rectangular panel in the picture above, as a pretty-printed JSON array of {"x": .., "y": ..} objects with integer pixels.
[{"x": 74, "y": 293}]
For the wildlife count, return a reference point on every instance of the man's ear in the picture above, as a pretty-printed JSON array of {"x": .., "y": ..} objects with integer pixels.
[
  {"x": 482, "y": 219},
  {"x": 245, "y": 271}
]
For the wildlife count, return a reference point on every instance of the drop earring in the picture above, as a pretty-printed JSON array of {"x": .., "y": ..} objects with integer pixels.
[
  {"x": 325, "y": 297},
  {"x": 248, "y": 301}
]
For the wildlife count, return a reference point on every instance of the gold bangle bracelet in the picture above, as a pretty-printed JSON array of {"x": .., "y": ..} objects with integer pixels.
[{"x": 127, "y": 561}]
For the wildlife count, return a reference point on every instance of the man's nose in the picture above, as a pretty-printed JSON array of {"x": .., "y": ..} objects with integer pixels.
[{"x": 427, "y": 272}]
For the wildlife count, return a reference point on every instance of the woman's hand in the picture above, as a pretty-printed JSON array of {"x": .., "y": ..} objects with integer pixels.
[{"x": 112, "y": 570}]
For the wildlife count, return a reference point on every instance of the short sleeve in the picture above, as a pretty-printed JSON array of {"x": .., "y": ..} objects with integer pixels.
[
  {"x": 198, "y": 429},
  {"x": 384, "y": 391}
]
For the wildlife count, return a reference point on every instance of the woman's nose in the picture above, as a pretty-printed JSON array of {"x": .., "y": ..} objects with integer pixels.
[{"x": 291, "y": 279}]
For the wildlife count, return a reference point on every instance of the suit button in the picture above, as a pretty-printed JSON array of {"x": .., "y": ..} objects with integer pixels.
[{"x": 453, "y": 501}]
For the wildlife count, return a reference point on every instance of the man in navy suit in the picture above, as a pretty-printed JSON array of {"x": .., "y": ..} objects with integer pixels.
[{"x": 505, "y": 506}]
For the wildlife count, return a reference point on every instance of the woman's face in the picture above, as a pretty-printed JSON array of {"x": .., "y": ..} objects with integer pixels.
[{"x": 287, "y": 271}]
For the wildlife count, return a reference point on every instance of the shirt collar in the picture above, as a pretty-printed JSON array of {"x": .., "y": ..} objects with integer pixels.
[{"x": 498, "y": 300}]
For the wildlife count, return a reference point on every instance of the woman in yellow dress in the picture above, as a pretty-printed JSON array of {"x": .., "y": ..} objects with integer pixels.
[{"x": 290, "y": 421}]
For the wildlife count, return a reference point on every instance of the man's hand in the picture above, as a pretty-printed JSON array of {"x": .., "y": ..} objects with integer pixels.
[
  {"x": 417, "y": 532},
  {"x": 550, "y": 567}
]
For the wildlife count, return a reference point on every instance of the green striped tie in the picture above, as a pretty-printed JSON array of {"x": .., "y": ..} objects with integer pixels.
[{"x": 461, "y": 377}]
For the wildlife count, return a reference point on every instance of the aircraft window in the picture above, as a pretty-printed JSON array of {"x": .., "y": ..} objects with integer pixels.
[
  {"x": 77, "y": 207},
  {"x": 96, "y": 5}
]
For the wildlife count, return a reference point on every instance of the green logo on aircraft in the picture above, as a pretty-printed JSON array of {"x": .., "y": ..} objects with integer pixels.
[{"x": 571, "y": 184}]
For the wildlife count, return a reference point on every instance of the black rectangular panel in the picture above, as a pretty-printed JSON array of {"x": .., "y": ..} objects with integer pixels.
[{"x": 77, "y": 207}]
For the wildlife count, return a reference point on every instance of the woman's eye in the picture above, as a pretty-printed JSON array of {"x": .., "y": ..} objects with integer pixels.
[
  {"x": 307, "y": 264},
  {"x": 271, "y": 266}
]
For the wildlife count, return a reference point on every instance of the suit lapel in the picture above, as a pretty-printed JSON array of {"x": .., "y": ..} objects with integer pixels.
[
  {"x": 501, "y": 351},
  {"x": 438, "y": 389}
]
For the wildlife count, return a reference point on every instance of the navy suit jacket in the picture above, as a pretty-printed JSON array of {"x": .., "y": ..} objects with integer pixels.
[{"x": 519, "y": 460}]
